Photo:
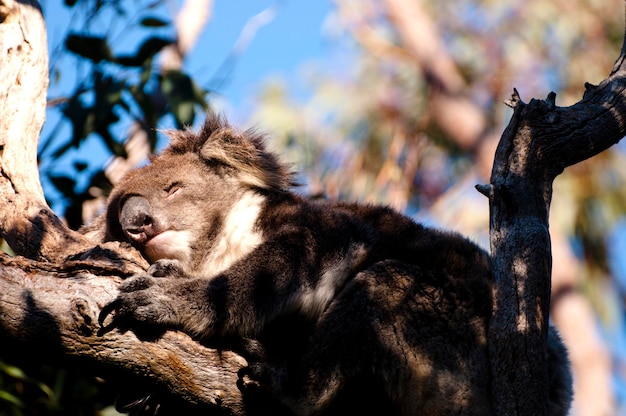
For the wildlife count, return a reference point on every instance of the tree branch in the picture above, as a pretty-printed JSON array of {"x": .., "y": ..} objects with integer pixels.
[
  {"x": 540, "y": 141},
  {"x": 58, "y": 305}
]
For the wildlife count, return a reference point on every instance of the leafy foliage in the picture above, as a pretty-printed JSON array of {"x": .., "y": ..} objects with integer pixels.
[
  {"x": 118, "y": 88},
  {"x": 31, "y": 389}
]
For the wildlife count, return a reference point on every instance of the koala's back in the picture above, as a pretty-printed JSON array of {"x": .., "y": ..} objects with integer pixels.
[
  {"x": 411, "y": 320},
  {"x": 424, "y": 331}
]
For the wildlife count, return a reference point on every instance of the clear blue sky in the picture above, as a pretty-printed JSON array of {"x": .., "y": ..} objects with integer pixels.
[{"x": 293, "y": 38}]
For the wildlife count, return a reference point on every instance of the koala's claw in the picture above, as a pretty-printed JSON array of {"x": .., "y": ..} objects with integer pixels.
[
  {"x": 121, "y": 306},
  {"x": 107, "y": 310},
  {"x": 142, "y": 305},
  {"x": 166, "y": 268},
  {"x": 250, "y": 378}
]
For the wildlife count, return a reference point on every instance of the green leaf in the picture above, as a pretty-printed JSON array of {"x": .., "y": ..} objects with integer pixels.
[
  {"x": 199, "y": 95},
  {"x": 80, "y": 166},
  {"x": 94, "y": 48},
  {"x": 82, "y": 119},
  {"x": 179, "y": 90},
  {"x": 13, "y": 371},
  {"x": 184, "y": 112},
  {"x": 8, "y": 397},
  {"x": 114, "y": 146},
  {"x": 64, "y": 184},
  {"x": 154, "y": 22},
  {"x": 147, "y": 50}
]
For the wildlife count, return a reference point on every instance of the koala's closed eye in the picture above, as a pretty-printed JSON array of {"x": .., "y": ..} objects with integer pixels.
[{"x": 173, "y": 189}]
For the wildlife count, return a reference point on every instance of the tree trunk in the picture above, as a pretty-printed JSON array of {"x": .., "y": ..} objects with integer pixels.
[
  {"x": 540, "y": 141},
  {"x": 27, "y": 223}
]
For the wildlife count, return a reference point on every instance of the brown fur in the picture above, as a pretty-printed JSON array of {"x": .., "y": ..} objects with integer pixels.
[{"x": 349, "y": 306}]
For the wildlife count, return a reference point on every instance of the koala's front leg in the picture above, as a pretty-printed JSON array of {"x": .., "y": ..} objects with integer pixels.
[
  {"x": 151, "y": 305},
  {"x": 144, "y": 304}
]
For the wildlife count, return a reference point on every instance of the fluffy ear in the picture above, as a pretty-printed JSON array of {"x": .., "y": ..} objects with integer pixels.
[
  {"x": 246, "y": 153},
  {"x": 243, "y": 151}
]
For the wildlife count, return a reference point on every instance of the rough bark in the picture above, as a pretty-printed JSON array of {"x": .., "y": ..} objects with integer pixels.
[
  {"x": 26, "y": 221},
  {"x": 540, "y": 141},
  {"x": 57, "y": 306}
]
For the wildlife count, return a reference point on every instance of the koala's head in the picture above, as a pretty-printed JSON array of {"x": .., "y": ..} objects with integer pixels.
[{"x": 174, "y": 206}]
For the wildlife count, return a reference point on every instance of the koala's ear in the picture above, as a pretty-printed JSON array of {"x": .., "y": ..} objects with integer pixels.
[{"x": 246, "y": 153}]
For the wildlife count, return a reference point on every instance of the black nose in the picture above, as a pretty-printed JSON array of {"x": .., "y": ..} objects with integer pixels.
[{"x": 136, "y": 219}]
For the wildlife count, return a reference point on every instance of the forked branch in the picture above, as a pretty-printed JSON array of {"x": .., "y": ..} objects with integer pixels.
[{"x": 540, "y": 141}]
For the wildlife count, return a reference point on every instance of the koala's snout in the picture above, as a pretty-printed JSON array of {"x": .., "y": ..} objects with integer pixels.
[{"x": 137, "y": 220}]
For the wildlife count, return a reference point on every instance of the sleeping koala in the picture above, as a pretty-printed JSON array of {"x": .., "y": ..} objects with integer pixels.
[{"x": 345, "y": 301}]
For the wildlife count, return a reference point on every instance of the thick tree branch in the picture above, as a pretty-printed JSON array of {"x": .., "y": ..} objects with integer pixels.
[
  {"x": 540, "y": 141},
  {"x": 58, "y": 305}
]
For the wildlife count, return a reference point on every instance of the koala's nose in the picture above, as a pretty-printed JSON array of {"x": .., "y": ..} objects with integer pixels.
[{"x": 136, "y": 219}]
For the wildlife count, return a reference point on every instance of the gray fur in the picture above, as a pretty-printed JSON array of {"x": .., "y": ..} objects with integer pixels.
[{"x": 352, "y": 305}]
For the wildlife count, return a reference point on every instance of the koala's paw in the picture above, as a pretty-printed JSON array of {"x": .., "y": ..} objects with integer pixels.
[
  {"x": 253, "y": 377},
  {"x": 260, "y": 376},
  {"x": 166, "y": 268},
  {"x": 142, "y": 305}
]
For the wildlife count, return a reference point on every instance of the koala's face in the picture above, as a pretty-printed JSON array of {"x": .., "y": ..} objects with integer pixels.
[
  {"x": 169, "y": 208},
  {"x": 198, "y": 202}
]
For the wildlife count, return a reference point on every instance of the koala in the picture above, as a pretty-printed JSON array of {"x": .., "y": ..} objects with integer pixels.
[{"x": 337, "y": 304}]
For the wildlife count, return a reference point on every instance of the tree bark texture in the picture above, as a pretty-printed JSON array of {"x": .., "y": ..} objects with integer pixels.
[
  {"x": 540, "y": 141},
  {"x": 52, "y": 311},
  {"x": 27, "y": 223}
]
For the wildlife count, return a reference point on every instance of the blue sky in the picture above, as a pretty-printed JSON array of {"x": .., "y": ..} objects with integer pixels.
[{"x": 294, "y": 39}]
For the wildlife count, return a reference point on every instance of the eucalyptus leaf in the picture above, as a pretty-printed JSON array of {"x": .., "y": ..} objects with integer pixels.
[{"x": 94, "y": 48}]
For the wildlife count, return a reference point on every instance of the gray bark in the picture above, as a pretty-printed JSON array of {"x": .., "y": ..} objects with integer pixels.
[
  {"x": 540, "y": 141},
  {"x": 52, "y": 310},
  {"x": 27, "y": 223}
]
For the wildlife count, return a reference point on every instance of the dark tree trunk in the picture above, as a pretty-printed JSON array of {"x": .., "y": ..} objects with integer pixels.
[{"x": 540, "y": 141}]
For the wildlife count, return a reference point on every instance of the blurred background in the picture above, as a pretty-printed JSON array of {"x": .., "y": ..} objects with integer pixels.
[{"x": 390, "y": 101}]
